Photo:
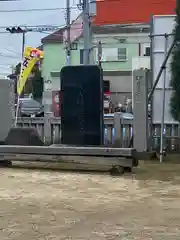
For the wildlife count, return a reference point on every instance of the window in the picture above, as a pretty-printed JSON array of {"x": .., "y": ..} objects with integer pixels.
[
  {"x": 29, "y": 103},
  {"x": 109, "y": 54},
  {"x": 113, "y": 54},
  {"x": 106, "y": 86},
  {"x": 147, "y": 51},
  {"x": 122, "y": 54},
  {"x": 81, "y": 56}
]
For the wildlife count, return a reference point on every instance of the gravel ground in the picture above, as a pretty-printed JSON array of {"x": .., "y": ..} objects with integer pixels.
[{"x": 51, "y": 205}]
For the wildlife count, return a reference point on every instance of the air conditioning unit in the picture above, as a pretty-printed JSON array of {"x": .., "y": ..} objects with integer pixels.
[{"x": 122, "y": 40}]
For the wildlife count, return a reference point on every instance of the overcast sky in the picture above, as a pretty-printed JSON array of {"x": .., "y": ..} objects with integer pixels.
[{"x": 11, "y": 44}]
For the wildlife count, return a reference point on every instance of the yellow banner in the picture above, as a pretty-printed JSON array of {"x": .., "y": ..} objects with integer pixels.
[
  {"x": 30, "y": 51},
  {"x": 31, "y": 57}
]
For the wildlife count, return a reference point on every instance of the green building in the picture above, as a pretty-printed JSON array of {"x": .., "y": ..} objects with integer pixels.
[{"x": 120, "y": 44}]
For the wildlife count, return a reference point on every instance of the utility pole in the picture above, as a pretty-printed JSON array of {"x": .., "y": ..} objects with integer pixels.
[
  {"x": 23, "y": 43},
  {"x": 68, "y": 27},
  {"x": 99, "y": 47},
  {"x": 86, "y": 32}
]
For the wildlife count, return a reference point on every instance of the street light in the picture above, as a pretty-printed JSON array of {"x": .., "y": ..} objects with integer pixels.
[
  {"x": 23, "y": 31},
  {"x": 15, "y": 30}
]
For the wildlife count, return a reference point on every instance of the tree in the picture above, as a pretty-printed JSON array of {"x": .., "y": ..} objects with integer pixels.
[
  {"x": 37, "y": 84},
  {"x": 33, "y": 85},
  {"x": 175, "y": 69},
  {"x": 18, "y": 69}
]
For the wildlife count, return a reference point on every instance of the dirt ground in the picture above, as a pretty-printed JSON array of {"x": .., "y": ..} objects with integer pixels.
[{"x": 51, "y": 205}]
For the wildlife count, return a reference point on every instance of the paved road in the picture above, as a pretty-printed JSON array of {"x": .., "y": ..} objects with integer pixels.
[{"x": 49, "y": 205}]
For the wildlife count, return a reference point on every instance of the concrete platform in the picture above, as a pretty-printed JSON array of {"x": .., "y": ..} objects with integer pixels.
[
  {"x": 70, "y": 150},
  {"x": 98, "y": 158}
]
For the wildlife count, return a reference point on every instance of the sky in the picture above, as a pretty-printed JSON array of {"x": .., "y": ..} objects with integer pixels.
[{"x": 11, "y": 44}]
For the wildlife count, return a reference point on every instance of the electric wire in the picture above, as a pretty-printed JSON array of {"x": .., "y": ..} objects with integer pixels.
[
  {"x": 37, "y": 28},
  {"x": 56, "y": 34},
  {"x": 12, "y": 51},
  {"x": 35, "y": 9},
  {"x": 8, "y": 56},
  {"x": 33, "y": 26}
]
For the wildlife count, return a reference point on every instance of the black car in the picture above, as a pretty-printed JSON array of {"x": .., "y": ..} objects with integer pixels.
[{"x": 28, "y": 107}]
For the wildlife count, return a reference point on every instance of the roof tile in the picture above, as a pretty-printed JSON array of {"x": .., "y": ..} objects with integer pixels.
[{"x": 131, "y": 11}]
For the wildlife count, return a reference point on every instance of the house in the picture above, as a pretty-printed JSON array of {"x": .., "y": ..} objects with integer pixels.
[
  {"x": 123, "y": 29},
  {"x": 128, "y": 11},
  {"x": 119, "y": 46}
]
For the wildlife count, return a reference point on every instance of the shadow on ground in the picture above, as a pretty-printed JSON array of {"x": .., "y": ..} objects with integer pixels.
[
  {"x": 154, "y": 170},
  {"x": 147, "y": 170}
]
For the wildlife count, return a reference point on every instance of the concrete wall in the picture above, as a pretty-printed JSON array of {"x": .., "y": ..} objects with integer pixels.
[{"x": 6, "y": 107}]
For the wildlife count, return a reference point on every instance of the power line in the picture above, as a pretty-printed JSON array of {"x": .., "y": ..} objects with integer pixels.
[
  {"x": 8, "y": 56},
  {"x": 5, "y": 74},
  {"x": 51, "y": 28},
  {"x": 14, "y": 34},
  {"x": 33, "y": 26},
  {"x": 35, "y": 9},
  {"x": 6, "y": 64},
  {"x": 60, "y": 26},
  {"x": 32, "y": 30},
  {"x": 54, "y": 32},
  {"x": 12, "y": 51},
  {"x": 103, "y": 43}
]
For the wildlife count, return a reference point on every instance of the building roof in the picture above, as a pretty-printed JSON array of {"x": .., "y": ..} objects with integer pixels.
[
  {"x": 58, "y": 36},
  {"x": 118, "y": 12},
  {"x": 115, "y": 29},
  {"x": 131, "y": 11},
  {"x": 55, "y": 37}
]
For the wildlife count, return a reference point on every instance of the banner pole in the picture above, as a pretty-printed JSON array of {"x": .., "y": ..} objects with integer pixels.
[
  {"x": 18, "y": 100},
  {"x": 23, "y": 46},
  {"x": 17, "y": 110}
]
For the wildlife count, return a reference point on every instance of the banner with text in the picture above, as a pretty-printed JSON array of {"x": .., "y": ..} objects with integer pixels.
[{"x": 31, "y": 57}]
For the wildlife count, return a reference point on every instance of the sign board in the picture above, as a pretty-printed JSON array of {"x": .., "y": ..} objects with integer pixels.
[
  {"x": 161, "y": 25},
  {"x": 48, "y": 86},
  {"x": 139, "y": 63}
]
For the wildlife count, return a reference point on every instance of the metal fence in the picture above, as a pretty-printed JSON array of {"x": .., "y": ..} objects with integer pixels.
[
  {"x": 171, "y": 132},
  {"x": 171, "y": 136}
]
